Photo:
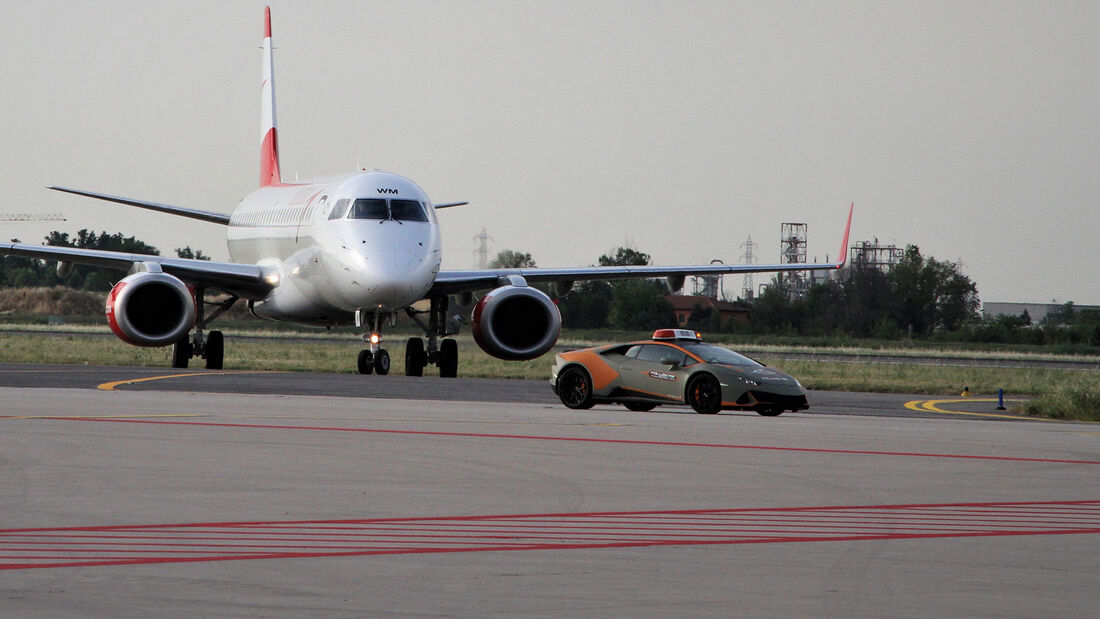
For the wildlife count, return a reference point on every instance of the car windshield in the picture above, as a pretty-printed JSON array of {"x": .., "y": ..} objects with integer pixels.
[{"x": 710, "y": 353}]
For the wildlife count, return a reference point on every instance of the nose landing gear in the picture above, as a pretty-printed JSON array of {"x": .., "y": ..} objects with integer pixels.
[{"x": 375, "y": 358}]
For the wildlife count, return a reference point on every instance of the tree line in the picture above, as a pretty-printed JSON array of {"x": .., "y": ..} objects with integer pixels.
[
  {"x": 918, "y": 297},
  {"x": 23, "y": 272}
]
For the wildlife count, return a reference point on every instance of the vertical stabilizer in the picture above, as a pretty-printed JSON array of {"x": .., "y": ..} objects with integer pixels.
[{"x": 269, "y": 139}]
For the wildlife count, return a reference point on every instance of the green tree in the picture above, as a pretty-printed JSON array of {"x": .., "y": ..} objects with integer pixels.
[
  {"x": 624, "y": 256},
  {"x": 929, "y": 293},
  {"x": 586, "y": 306},
  {"x": 640, "y": 304},
  {"x": 511, "y": 259},
  {"x": 82, "y": 276},
  {"x": 186, "y": 252}
]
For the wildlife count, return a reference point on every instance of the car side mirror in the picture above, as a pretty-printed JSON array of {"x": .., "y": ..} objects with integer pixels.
[{"x": 673, "y": 361}]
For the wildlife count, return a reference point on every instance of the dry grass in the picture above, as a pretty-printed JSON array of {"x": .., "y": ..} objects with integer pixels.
[{"x": 65, "y": 302}]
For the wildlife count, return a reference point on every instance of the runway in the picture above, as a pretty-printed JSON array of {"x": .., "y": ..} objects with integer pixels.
[{"x": 344, "y": 495}]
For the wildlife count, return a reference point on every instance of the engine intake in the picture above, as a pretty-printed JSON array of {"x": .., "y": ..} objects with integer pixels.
[
  {"x": 516, "y": 323},
  {"x": 150, "y": 309}
]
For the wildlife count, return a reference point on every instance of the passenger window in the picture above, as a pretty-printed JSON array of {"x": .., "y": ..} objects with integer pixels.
[
  {"x": 339, "y": 210},
  {"x": 369, "y": 208},
  {"x": 408, "y": 210},
  {"x": 654, "y": 352},
  {"x": 632, "y": 353}
]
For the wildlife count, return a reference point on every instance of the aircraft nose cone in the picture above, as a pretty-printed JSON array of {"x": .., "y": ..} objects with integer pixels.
[{"x": 392, "y": 279}]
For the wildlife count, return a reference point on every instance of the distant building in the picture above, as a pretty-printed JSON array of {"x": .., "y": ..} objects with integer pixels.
[
  {"x": 1037, "y": 311},
  {"x": 683, "y": 305}
]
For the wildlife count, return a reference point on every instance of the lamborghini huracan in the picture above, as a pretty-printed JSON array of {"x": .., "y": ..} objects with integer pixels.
[{"x": 674, "y": 367}]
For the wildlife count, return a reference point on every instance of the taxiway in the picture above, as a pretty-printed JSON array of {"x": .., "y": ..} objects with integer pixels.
[{"x": 365, "y": 496}]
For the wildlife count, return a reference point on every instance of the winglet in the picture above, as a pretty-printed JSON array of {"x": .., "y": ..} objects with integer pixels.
[
  {"x": 269, "y": 139},
  {"x": 844, "y": 244}
]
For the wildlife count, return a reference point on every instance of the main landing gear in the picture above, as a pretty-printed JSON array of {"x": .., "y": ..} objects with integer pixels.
[
  {"x": 210, "y": 346},
  {"x": 418, "y": 355}
]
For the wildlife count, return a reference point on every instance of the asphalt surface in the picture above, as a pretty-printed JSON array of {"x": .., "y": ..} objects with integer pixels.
[
  {"x": 422, "y": 388},
  {"x": 271, "y": 494}
]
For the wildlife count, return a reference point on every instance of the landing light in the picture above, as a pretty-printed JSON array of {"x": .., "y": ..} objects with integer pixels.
[{"x": 375, "y": 338}]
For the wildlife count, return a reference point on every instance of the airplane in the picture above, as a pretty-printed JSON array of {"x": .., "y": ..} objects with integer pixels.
[{"x": 350, "y": 250}]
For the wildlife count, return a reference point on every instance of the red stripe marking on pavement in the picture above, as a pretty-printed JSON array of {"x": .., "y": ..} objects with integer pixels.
[
  {"x": 525, "y": 437},
  {"x": 236, "y": 541}
]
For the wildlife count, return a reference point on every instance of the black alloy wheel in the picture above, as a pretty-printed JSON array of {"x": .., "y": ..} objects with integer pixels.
[
  {"x": 704, "y": 394},
  {"x": 575, "y": 388}
]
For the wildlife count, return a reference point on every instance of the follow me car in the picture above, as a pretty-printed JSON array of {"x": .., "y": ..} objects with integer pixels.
[{"x": 675, "y": 367}]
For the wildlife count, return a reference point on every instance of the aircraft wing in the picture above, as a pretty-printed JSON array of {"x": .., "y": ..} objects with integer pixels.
[
  {"x": 456, "y": 282},
  {"x": 193, "y": 213},
  {"x": 248, "y": 281}
]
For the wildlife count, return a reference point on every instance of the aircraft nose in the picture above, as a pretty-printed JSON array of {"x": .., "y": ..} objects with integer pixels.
[{"x": 392, "y": 278}]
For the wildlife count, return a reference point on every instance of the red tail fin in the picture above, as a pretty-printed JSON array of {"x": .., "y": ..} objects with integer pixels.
[{"x": 269, "y": 137}]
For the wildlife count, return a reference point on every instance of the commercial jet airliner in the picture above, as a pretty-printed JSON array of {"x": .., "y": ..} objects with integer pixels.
[{"x": 351, "y": 250}]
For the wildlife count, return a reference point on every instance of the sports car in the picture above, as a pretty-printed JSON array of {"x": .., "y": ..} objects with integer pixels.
[{"x": 675, "y": 367}]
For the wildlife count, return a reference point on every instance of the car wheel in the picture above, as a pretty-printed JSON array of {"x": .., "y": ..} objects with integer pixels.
[
  {"x": 704, "y": 394},
  {"x": 640, "y": 407},
  {"x": 770, "y": 412},
  {"x": 575, "y": 388}
]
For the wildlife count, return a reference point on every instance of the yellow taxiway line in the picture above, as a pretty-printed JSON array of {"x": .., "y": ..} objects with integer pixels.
[
  {"x": 933, "y": 406},
  {"x": 130, "y": 381}
]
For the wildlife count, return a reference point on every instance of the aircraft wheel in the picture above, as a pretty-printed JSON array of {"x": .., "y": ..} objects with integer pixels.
[
  {"x": 215, "y": 350},
  {"x": 382, "y": 362},
  {"x": 704, "y": 394},
  {"x": 575, "y": 388},
  {"x": 181, "y": 353},
  {"x": 366, "y": 362},
  {"x": 640, "y": 407},
  {"x": 414, "y": 357},
  {"x": 448, "y": 359}
]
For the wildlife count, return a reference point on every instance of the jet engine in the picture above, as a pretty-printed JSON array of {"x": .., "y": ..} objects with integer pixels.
[
  {"x": 516, "y": 323},
  {"x": 150, "y": 309}
]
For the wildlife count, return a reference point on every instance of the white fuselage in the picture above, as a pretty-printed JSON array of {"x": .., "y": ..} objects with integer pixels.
[{"x": 338, "y": 245}]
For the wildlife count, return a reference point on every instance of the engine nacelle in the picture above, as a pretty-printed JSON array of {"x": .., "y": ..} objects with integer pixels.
[
  {"x": 516, "y": 323},
  {"x": 150, "y": 309}
]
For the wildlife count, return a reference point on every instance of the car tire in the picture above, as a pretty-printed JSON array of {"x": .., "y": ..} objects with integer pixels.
[
  {"x": 770, "y": 412},
  {"x": 704, "y": 394},
  {"x": 640, "y": 407},
  {"x": 575, "y": 388}
]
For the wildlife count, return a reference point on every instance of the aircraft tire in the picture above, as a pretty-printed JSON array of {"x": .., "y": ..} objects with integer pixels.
[
  {"x": 366, "y": 362},
  {"x": 181, "y": 353},
  {"x": 448, "y": 359},
  {"x": 382, "y": 362},
  {"x": 414, "y": 357},
  {"x": 215, "y": 350}
]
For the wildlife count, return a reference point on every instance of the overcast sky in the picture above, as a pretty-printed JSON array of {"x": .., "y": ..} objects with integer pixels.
[{"x": 971, "y": 129}]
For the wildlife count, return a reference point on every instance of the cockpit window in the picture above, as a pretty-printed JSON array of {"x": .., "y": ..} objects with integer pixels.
[
  {"x": 339, "y": 210},
  {"x": 369, "y": 208},
  {"x": 408, "y": 210}
]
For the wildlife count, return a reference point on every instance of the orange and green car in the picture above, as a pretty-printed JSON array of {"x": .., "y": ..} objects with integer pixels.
[{"x": 675, "y": 367}]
